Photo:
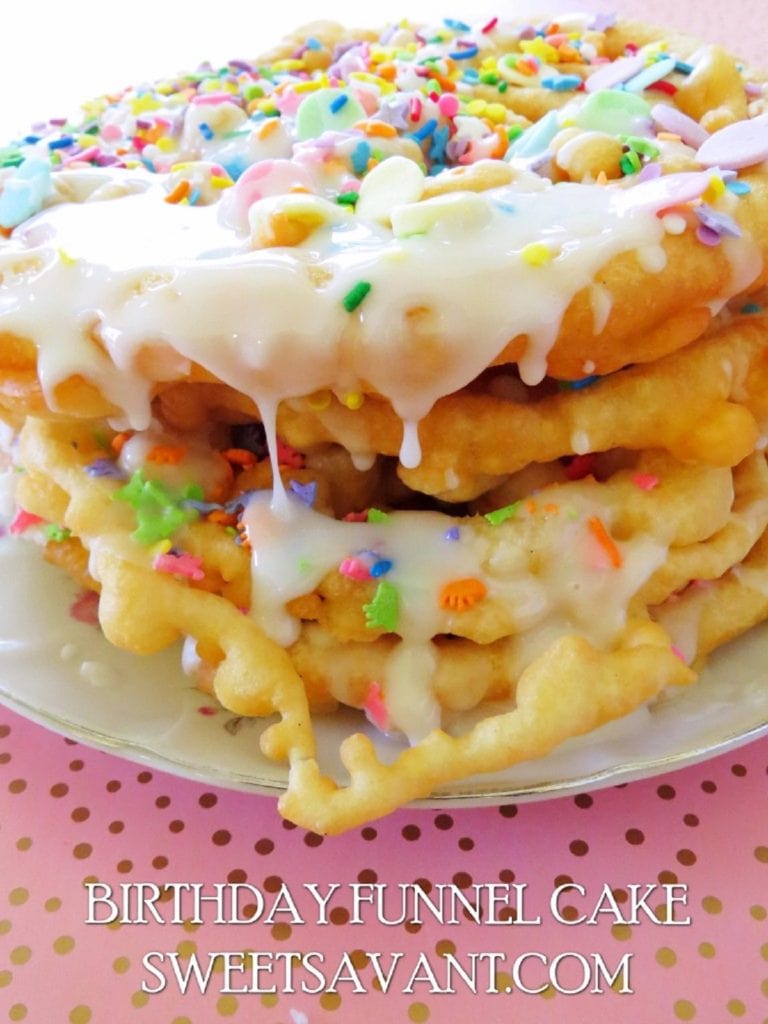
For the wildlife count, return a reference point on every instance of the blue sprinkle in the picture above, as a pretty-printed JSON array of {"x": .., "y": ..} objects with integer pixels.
[
  {"x": 194, "y": 195},
  {"x": 577, "y": 385},
  {"x": 505, "y": 206},
  {"x": 739, "y": 188},
  {"x": 425, "y": 131},
  {"x": 561, "y": 83},
  {"x": 683, "y": 68},
  {"x": 206, "y": 131},
  {"x": 439, "y": 142},
  {"x": 338, "y": 102},
  {"x": 24, "y": 191},
  {"x": 751, "y": 307},
  {"x": 63, "y": 143},
  {"x": 306, "y": 493},
  {"x": 456, "y": 26},
  {"x": 105, "y": 467},
  {"x": 360, "y": 156},
  {"x": 314, "y": 44},
  {"x": 380, "y": 568},
  {"x": 436, "y": 169},
  {"x": 465, "y": 53},
  {"x": 471, "y": 75},
  {"x": 204, "y": 508},
  {"x": 452, "y": 534},
  {"x": 31, "y": 139}
]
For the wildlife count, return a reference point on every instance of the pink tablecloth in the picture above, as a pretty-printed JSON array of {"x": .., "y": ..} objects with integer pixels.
[{"x": 689, "y": 846}]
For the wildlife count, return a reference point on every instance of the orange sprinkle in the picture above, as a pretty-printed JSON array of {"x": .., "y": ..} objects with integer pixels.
[
  {"x": 606, "y": 542},
  {"x": 668, "y": 136},
  {"x": 167, "y": 454},
  {"x": 387, "y": 71},
  {"x": 376, "y": 129},
  {"x": 552, "y": 509},
  {"x": 502, "y": 143},
  {"x": 445, "y": 83},
  {"x": 267, "y": 128},
  {"x": 6, "y": 232},
  {"x": 181, "y": 191},
  {"x": 602, "y": 178},
  {"x": 531, "y": 507},
  {"x": 459, "y": 595},
  {"x": 119, "y": 440},
  {"x": 240, "y": 457}
]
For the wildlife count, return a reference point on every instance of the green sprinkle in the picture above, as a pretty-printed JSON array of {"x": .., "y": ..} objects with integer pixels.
[
  {"x": 501, "y": 515},
  {"x": 57, "y": 533},
  {"x": 101, "y": 438},
  {"x": 347, "y": 198},
  {"x": 383, "y": 612},
  {"x": 355, "y": 296},
  {"x": 630, "y": 163},
  {"x": 514, "y": 132},
  {"x": 375, "y": 515},
  {"x": 751, "y": 307},
  {"x": 160, "y": 512},
  {"x": 640, "y": 145}
]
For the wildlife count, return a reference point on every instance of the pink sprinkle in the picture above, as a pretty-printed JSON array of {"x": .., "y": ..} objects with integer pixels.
[
  {"x": 86, "y": 608},
  {"x": 415, "y": 113},
  {"x": 206, "y": 710},
  {"x": 448, "y": 104},
  {"x": 356, "y": 517},
  {"x": 375, "y": 709},
  {"x": 111, "y": 132},
  {"x": 645, "y": 481},
  {"x": 490, "y": 26},
  {"x": 23, "y": 520},
  {"x": 288, "y": 456},
  {"x": 180, "y": 565},
  {"x": 355, "y": 569},
  {"x": 679, "y": 654},
  {"x": 212, "y": 99}
]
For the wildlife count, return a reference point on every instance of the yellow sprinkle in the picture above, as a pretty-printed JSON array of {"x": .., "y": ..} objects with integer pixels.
[
  {"x": 381, "y": 83},
  {"x": 476, "y": 107},
  {"x": 539, "y": 48},
  {"x": 714, "y": 190},
  {"x": 166, "y": 144},
  {"x": 353, "y": 400},
  {"x": 289, "y": 64},
  {"x": 536, "y": 253},
  {"x": 496, "y": 112},
  {"x": 667, "y": 137},
  {"x": 66, "y": 259},
  {"x": 162, "y": 547},
  {"x": 180, "y": 167},
  {"x": 319, "y": 400},
  {"x": 217, "y": 181},
  {"x": 143, "y": 104},
  {"x": 309, "y": 86}
]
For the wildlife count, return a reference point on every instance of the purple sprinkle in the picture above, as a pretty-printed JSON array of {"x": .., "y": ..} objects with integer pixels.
[
  {"x": 603, "y": 21},
  {"x": 718, "y": 222},
  {"x": 648, "y": 173},
  {"x": 753, "y": 88},
  {"x": 204, "y": 508},
  {"x": 306, "y": 493},
  {"x": 105, "y": 467},
  {"x": 241, "y": 65},
  {"x": 707, "y": 236},
  {"x": 452, "y": 534},
  {"x": 527, "y": 32}
]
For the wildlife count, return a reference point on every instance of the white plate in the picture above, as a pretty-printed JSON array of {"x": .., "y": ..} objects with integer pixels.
[{"x": 63, "y": 674}]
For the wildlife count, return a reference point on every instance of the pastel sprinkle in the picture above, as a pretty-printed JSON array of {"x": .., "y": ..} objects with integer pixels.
[
  {"x": 460, "y": 595},
  {"x": 182, "y": 564},
  {"x": 599, "y": 532},
  {"x": 356, "y": 295},
  {"x": 501, "y": 515},
  {"x": 338, "y": 102},
  {"x": 85, "y": 608},
  {"x": 453, "y": 533},
  {"x": 383, "y": 612},
  {"x": 23, "y": 520},
  {"x": 375, "y": 515},
  {"x": 537, "y": 254},
  {"x": 105, "y": 468},
  {"x": 57, "y": 533},
  {"x": 739, "y": 188},
  {"x": 375, "y": 709},
  {"x": 738, "y": 145},
  {"x": 306, "y": 493},
  {"x": 751, "y": 307},
  {"x": 645, "y": 481},
  {"x": 354, "y": 569},
  {"x": 381, "y": 567}
]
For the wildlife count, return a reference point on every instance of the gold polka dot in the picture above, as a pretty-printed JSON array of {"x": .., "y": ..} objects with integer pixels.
[
  {"x": 52, "y": 904},
  {"x": 359, "y": 959},
  {"x": 281, "y": 931},
  {"x": 418, "y": 1013},
  {"x": 139, "y": 999},
  {"x": 707, "y": 950},
  {"x": 16, "y": 897},
  {"x": 181, "y": 1020},
  {"x": 549, "y": 992},
  {"x": 666, "y": 957},
  {"x": 63, "y": 945},
  {"x": 5, "y": 979},
  {"x": 190, "y": 926},
  {"x": 757, "y": 912},
  {"x": 502, "y": 982},
  {"x": 444, "y": 947},
  {"x": 121, "y": 965},
  {"x": 764, "y": 951},
  {"x": 622, "y": 932},
  {"x": 20, "y": 955},
  {"x": 186, "y": 947},
  {"x": 5, "y": 926},
  {"x": 764, "y": 987},
  {"x": 23, "y": 845},
  {"x": 330, "y": 1000},
  {"x": 684, "y": 1010},
  {"x": 736, "y": 1008},
  {"x": 712, "y": 905},
  {"x": 761, "y": 853},
  {"x": 17, "y": 1012},
  {"x": 80, "y": 1015},
  {"x": 226, "y": 1006}
]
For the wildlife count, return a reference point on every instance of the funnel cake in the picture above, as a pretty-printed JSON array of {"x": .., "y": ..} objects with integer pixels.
[{"x": 420, "y": 371}]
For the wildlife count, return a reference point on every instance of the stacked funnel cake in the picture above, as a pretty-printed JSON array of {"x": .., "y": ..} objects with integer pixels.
[{"x": 421, "y": 371}]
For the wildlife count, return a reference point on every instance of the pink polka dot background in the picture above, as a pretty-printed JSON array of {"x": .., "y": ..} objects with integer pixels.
[{"x": 70, "y": 815}]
